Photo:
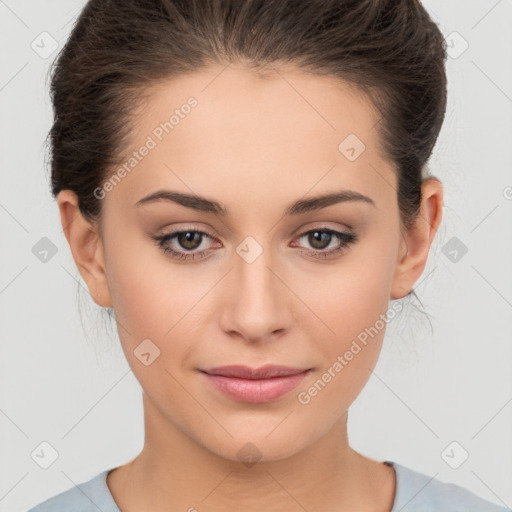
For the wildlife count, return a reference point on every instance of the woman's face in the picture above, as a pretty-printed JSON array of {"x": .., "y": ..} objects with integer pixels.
[{"x": 264, "y": 285}]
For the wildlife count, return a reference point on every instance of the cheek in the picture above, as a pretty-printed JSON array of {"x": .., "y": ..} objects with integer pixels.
[
  {"x": 347, "y": 298},
  {"x": 352, "y": 302},
  {"x": 153, "y": 298}
]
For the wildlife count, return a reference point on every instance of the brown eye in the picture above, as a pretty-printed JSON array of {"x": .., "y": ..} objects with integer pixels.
[
  {"x": 321, "y": 238},
  {"x": 189, "y": 239},
  {"x": 318, "y": 239}
]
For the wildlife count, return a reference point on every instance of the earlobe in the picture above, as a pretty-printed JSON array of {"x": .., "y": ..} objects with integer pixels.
[
  {"x": 86, "y": 247},
  {"x": 417, "y": 240}
]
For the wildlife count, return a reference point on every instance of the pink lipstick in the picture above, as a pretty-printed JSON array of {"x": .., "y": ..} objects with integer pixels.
[{"x": 257, "y": 385}]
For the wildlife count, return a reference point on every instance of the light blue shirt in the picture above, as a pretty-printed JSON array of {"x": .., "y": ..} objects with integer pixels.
[{"x": 415, "y": 492}]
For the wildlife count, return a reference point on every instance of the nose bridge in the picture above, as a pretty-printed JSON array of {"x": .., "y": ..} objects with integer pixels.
[
  {"x": 252, "y": 272},
  {"x": 252, "y": 269}
]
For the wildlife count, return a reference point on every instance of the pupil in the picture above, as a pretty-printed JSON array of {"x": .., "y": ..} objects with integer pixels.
[
  {"x": 189, "y": 240},
  {"x": 317, "y": 238}
]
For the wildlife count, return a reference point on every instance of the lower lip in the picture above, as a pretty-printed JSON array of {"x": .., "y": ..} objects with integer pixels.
[{"x": 255, "y": 390}]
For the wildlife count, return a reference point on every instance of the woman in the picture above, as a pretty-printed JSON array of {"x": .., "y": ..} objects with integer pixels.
[{"x": 244, "y": 184}]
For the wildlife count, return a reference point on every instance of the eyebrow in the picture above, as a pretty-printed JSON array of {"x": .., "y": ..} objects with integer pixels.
[{"x": 299, "y": 207}]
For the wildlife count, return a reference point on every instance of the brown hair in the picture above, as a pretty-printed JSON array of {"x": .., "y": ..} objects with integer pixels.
[{"x": 390, "y": 49}]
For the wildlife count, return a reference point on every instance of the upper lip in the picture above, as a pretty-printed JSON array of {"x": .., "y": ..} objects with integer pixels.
[{"x": 245, "y": 372}]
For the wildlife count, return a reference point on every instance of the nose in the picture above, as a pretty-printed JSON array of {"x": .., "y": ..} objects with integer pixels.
[{"x": 257, "y": 302}]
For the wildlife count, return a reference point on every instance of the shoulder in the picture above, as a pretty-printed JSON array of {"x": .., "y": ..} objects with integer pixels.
[
  {"x": 419, "y": 492},
  {"x": 89, "y": 496}
]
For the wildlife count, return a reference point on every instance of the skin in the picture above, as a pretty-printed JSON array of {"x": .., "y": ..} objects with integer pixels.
[{"x": 255, "y": 144}]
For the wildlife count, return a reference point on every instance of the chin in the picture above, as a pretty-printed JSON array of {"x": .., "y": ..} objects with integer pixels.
[{"x": 250, "y": 447}]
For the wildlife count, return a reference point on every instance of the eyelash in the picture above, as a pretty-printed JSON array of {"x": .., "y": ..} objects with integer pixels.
[{"x": 345, "y": 239}]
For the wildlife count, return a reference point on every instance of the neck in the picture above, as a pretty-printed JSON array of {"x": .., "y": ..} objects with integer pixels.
[{"x": 175, "y": 472}]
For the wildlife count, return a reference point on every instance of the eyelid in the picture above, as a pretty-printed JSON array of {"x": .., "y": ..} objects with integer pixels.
[
  {"x": 323, "y": 225},
  {"x": 186, "y": 227},
  {"x": 299, "y": 232}
]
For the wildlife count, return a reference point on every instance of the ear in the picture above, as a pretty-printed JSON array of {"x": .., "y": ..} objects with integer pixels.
[
  {"x": 86, "y": 247},
  {"x": 416, "y": 241}
]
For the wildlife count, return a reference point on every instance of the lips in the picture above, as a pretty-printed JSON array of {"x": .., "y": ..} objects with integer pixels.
[
  {"x": 245, "y": 372},
  {"x": 256, "y": 385}
]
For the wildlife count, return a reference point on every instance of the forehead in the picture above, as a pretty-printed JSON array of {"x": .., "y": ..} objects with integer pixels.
[
  {"x": 234, "y": 103},
  {"x": 286, "y": 129}
]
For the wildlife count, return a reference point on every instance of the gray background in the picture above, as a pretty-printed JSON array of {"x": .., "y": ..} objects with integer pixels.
[{"x": 73, "y": 389}]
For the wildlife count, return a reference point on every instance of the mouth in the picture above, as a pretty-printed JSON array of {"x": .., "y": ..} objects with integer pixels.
[
  {"x": 255, "y": 385},
  {"x": 269, "y": 371}
]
